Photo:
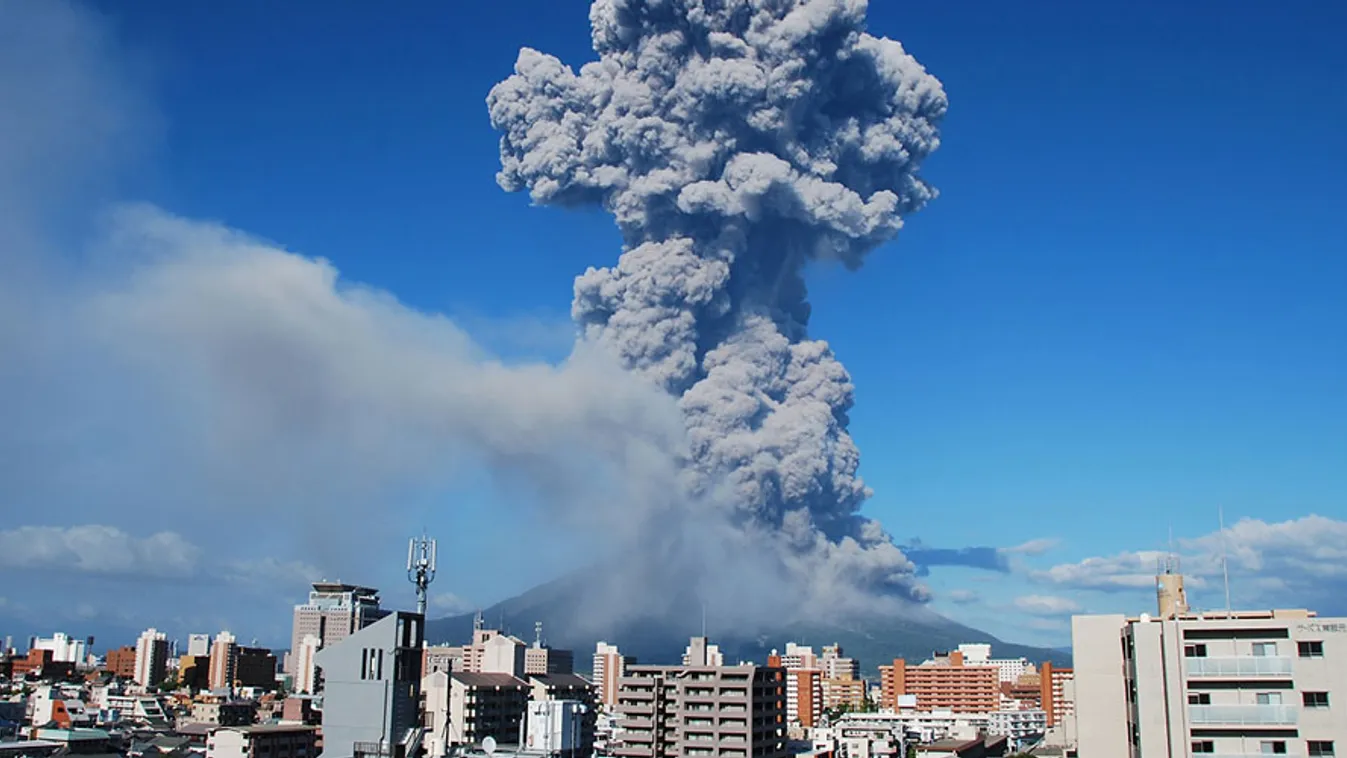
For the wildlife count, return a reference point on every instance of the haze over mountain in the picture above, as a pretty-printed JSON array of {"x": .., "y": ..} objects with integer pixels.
[{"x": 873, "y": 639}]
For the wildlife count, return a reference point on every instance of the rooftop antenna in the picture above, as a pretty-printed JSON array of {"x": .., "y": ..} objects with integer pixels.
[
  {"x": 1225, "y": 560},
  {"x": 478, "y": 623},
  {"x": 537, "y": 634},
  {"x": 421, "y": 567}
]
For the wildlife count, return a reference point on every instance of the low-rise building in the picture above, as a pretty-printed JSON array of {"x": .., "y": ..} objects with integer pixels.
[{"x": 262, "y": 741}]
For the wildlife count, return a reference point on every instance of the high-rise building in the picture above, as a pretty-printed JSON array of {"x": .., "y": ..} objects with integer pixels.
[
  {"x": 254, "y": 667},
  {"x": 304, "y": 665},
  {"x": 1008, "y": 670},
  {"x": 835, "y": 665},
  {"x": 1057, "y": 693},
  {"x": 609, "y": 666},
  {"x": 372, "y": 689},
  {"x": 1190, "y": 684},
  {"x": 799, "y": 657},
  {"x": 121, "y": 662},
  {"x": 63, "y": 647},
  {"x": 943, "y": 683},
  {"x": 804, "y": 696},
  {"x": 151, "y": 658},
  {"x": 333, "y": 612},
  {"x": 700, "y": 652},
  {"x": 223, "y": 656},
  {"x": 548, "y": 660},
  {"x": 198, "y": 644},
  {"x": 701, "y": 709}
]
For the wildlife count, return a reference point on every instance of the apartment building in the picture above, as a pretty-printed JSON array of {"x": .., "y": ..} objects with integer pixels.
[
  {"x": 1056, "y": 694},
  {"x": 943, "y": 683},
  {"x": 804, "y": 697},
  {"x": 541, "y": 659},
  {"x": 846, "y": 694},
  {"x": 1224, "y": 683},
  {"x": 699, "y": 710},
  {"x": 121, "y": 662},
  {"x": 222, "y": 659},
  {"x": 835, "y": 665},
  {"x": 63, "y": 647},
  {"x": 608, "y": 667},
  {"x": 151, "y": 658},
  {"x": 333, "y": 612},
  {"x": 263, "y": 741}
]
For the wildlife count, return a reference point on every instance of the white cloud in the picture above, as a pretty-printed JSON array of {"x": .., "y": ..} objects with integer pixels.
[
  {"x": 1033, "y": 547},
  {"x": 1046, "y": 605},
  {"x": 960, "y": 596},
  {"x": 97, "y": 549},
  {"x": 1296, "y": 562}
]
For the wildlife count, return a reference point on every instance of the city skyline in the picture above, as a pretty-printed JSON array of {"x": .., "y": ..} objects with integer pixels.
[{"x": 1050, "y": 381}]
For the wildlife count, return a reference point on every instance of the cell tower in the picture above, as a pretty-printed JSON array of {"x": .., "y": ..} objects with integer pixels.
[{"x": 421, "y": 567}]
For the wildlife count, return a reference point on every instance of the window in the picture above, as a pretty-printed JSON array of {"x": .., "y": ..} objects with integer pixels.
[
  {"x": 1195, "y": 651},
  {"x": 1320, "y": 747},
  {"x": 1204, "y": 746},
  {"x": 1310, "y": 649},
  {"x": 1272, "y": 747},
  {"x": 1264, "y": 649},
  {"x": 1199, "y": 698},
  {"x": 1269, "y": 698},
  {"x": 1315, "y": 699}
]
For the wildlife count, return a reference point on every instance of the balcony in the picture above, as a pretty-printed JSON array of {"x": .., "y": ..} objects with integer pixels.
[
  {"x": 1242, "y": 715},
  {"x": 1239, "y": 666}
]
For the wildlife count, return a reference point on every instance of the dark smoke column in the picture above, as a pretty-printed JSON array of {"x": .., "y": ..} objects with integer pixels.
[{"x": 734, "y": 141}]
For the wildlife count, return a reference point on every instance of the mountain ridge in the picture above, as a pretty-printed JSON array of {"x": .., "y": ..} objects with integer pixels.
[{"x": 873, "y": 639}]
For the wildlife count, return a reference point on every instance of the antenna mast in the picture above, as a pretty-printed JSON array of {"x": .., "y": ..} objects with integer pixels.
[{"x": 421, "y": 567}]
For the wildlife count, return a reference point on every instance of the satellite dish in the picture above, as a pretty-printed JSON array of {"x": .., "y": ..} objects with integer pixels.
[{"x": 489, "y": 745}]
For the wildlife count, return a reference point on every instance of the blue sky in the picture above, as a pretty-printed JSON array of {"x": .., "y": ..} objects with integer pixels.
[{"x": 1124, "y": 311}]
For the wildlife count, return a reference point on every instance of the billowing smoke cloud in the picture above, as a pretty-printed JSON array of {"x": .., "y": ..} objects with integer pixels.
[{"x": 735, "y": 141}]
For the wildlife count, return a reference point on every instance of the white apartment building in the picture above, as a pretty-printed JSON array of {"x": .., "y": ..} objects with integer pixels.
[
  {"x": 198, "y": 644},
  {"x": 63, "y": 647},
  {"x": 799, "y": 657},
  {"x": 1193, "y": 684},
  {"x": 1018, "y": 725},
  {"x": 1007, "y": 669},
  {"x": 151, "y": 657},
  {"x": 304, "y": 663}
]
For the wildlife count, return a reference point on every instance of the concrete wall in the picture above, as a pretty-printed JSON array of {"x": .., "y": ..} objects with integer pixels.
[{"x": 1101, "y": 695}]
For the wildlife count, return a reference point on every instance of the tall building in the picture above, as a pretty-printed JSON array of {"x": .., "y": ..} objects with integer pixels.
[
  {"x": 63, "y": 647},
  {"x": 151, "y": 658},
  {"x": 980, "y": 654},
  {"x": 700, "y": 652},
  {"x": 121, "y": 662},
  {"x": 305, "y": 668},
  {"x": 548, "y": 660},
  {"x": 334, "y": 611},
  {"x": 804, "y": 696},
  {"x": 372, "y": 689},
  {"x": 837, "y": 666},
  {"x": 222, "y": 660},
  {"x": 1057, "y": 694},
  {"x": 609, "y": 666},
  {"x": 1190, "y": 684},
  {"x": 701, "y": 709},
  {"x": 254, "y": 667},
  {"x": 943, "y": 683},
  {"x": 799, "y": 657},
  {"x": 198, "y": 644}
]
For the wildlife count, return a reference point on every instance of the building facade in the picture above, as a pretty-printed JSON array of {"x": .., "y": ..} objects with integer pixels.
[
  {"x": 333, "y": 612},
  {"x": 1232, "y": 683},
  {"x": 608, "y": 668},
  {"x": 198, "y": 645},
  {"x": 121, "y": 662},
  {"x": 222, "y": 659},
  {"x": 1056, "y": 695},
  {"x": 63, "y": 647},
  {"x": 303, "y": 665},
  {"x": 372, "y": 689},
  {"x": 944, "y": 683},
  {"x": 702, "y": 710},
  {"x": 151, "y": 658},
  {"x": 263, "y": 741}
]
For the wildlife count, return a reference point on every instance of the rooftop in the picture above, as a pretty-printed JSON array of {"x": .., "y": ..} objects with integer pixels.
[
  {"x": 264, "y": 728},
  {"x": 561, "y": 680},
  {"x": 486, "y": 680}
]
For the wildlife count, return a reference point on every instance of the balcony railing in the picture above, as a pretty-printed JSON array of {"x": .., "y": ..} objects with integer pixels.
[
  {"x": 1242, "y": 715},
  {"x": 1248, "y": 665}
]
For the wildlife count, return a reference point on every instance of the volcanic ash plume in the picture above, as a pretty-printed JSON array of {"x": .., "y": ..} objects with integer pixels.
[{"x": 734, "y": 141}]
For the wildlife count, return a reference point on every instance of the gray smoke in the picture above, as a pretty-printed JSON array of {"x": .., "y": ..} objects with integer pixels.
[{"x": 734, "y": 141}]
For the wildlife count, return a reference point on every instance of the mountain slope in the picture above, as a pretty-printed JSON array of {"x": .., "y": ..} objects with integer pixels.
[{"x": 873, "y": 640}]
